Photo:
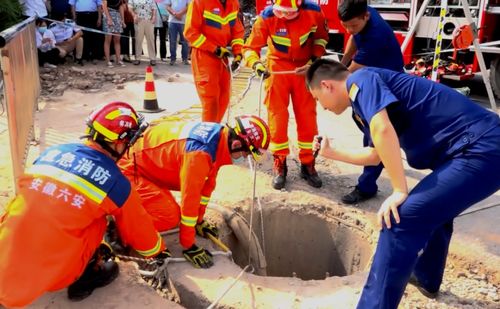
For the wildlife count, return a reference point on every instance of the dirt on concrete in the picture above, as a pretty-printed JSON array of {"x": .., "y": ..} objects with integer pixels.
[{"x": 297, "y": 220}]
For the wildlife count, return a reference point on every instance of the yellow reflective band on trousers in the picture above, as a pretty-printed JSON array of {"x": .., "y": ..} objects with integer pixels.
[
  {"x": 154, "y": 250},
  {"x": 204, "y": 200},
  {"x": 78, "y": 183},
  {"x": 304, "y": 145},
  {"x": 275, "y": 147},
  {"x": 189, "y": 221}
]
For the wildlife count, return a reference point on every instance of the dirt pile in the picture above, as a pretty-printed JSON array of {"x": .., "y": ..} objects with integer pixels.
[{"x": 55, "y": 81}]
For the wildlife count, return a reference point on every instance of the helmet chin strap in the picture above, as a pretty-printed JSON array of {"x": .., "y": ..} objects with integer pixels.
[
  {"x": 117, "y": 155},
  {"x": 233, "y": 137}
]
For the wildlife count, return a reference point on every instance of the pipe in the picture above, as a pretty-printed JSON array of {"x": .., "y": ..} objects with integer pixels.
[{"x": 241, "y": 230}]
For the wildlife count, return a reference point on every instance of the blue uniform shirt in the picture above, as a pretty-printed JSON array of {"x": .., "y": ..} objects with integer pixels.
[
  {"x": 433, "y": 122},
  {"x": 377, "y": 46}
]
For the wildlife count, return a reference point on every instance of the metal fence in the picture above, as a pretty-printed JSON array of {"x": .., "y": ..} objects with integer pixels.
[{"x": 19, "y": 67}]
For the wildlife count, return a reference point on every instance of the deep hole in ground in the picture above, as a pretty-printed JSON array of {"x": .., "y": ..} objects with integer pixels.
[{"x": 306, "y": 244}]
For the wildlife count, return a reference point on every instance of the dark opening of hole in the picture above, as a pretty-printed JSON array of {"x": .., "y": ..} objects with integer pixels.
[{"x": 308, "y": 245}]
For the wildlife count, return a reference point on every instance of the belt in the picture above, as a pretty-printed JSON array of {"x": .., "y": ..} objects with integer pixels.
[{"x": 87, "y": 12}]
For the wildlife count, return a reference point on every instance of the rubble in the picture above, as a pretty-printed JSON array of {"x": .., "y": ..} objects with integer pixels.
[{"x": 54, "y": 81}]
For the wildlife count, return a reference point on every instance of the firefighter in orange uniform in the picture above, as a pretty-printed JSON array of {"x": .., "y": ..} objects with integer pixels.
[
  {"x": 186, "y": 157},
  {"x": 211, "y": 26},
  {"x": 51, "y": 233},
  {"x": 295, "y": 34}
]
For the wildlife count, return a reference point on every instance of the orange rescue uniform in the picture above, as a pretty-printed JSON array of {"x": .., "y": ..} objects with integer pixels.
[
  {"x": 179, "y": 156},
  {"x": 210, "y": 24},
  {"x": 56, "y": 222},
  {"x": 291, "y": 43}
]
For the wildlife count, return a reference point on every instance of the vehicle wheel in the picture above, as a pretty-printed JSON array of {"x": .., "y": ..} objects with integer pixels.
[{"x": 495, "y": 76}]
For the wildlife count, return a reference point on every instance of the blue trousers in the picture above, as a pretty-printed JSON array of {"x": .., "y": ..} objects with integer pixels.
[
  {"x": 175, "y": 29},
  {"x": 367, "y": 181},
  {"x": 419, "y": 243}
]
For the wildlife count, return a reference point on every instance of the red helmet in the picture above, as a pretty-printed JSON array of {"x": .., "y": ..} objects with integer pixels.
[
  {"x": 255, "y": 132},
  {"x": 114, "y": 122},
  {"x": 287, "y": 5}
]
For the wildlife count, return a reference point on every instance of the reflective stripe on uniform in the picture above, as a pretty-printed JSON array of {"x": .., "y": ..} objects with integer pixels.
[
  {"x": 237, "y": 42},
  {"x": 218, "y": 19},
  {"x": 200, "y": 40},
  {"x": 304, "y": 145},
  {"x": 189, "y": 221},
  {"x": 251, "y": 57},
  {"x": 303, "y": 38},
  {"x": 320, "y": 42},
  {"x": 281, "y": 40},
  {"x": 204, "y": 200},
  {"x": 154, "y": 250},
  {"x": 275, "y": 147},
  {"x": 78, "y": 183}
]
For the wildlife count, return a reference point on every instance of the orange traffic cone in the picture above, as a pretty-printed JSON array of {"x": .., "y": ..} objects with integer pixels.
[{"x": 150, "y": 101}]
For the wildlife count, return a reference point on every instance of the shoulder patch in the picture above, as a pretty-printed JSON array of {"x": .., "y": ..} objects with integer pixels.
[
  {"x": 311, "y": 6},
  {"x": 204, "y": 136},
  {"x": 267, "y": 12},
  {"x": 353, "y": 92}
]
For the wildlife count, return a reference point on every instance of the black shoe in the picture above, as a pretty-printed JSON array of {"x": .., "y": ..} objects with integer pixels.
[
  {"x": 279, "y": 170},
  {"x": 94, "y": 276},
  {"x": 113, "y": 240},
  {"x": 79, "y": 61},
  {"x": 308, "y": 172},
  {"x": 356, "y": 196},
  {"x": 414, "y": 281}
]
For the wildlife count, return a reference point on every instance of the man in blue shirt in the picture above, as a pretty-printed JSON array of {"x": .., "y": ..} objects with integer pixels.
[
  {"x": 373, "y": 44},
  {"x": 438, "y": 129},
  {"x": 88, "y": 13},
  {"x": 177, "y": 10}
]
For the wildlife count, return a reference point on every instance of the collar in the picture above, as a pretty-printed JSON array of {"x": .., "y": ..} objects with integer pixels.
[{"x": 223, "y": 156}]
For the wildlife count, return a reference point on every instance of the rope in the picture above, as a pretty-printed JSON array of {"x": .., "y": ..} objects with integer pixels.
[
  {"x": 212, "y": 305},
  {"x": 492, "y": 205},
  {"x": 231, "y": 74},
  {"x": 152, "y": 273},
  {"x": 253, "y": 168},
  {"x": 254, "y": 183},
  {"x": 2, "y": 98},
  {"x": 255, "y": 177}
]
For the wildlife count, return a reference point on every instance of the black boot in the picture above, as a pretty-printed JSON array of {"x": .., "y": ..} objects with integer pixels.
[
  {"x": 308, "y": 172},
  {"x": 429, "y": 294},
  {"x": 279, "y": 171},
  {"x": 112, "y": 238},
  {"x": 356, "y": 196},
  {"x": 98, "y": 273}
]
